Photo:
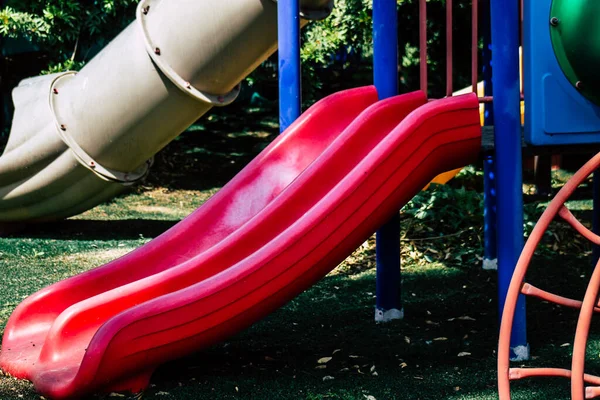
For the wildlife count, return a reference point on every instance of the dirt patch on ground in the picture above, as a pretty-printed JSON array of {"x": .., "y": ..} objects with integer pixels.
[{"x": 94, "y": 258}]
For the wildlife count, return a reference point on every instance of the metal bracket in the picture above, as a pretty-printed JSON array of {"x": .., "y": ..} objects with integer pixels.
[
  {"x": 184, "y": 85},
  {"x": 316, "y": 14},
  {"x": 107, "y": 174}
]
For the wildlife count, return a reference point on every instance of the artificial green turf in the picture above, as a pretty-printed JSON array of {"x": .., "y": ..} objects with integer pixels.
[{"x": 278, "y": 358}]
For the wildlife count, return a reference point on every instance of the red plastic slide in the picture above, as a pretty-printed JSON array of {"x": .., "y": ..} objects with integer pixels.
[{"x": 296, "y": 211}]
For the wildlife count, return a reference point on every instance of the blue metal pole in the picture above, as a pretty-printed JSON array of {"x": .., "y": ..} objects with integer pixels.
[
  {"x": 490, "y": 256},
  {"x": 385, "y": 68},
  {"x": 505, "y": 53},
  {"x": 288, "y": 25}
]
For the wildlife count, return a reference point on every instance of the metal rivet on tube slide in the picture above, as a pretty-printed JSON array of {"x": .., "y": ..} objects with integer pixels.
[
  {"x": 163, "y": 65},
  {"x": 107, "y": 174}
]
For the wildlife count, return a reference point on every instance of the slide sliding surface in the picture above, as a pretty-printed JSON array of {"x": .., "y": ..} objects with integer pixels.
[{"x": 303, "y": 205}]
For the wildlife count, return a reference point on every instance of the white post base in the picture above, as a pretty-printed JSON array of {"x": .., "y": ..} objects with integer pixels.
[
  {"x": 490, "y": 265},
  {"x": 521, "y": 353},
  {"x": 388, "y": 315}
]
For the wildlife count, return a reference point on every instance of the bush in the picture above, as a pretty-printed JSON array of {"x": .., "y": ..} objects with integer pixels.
[
  {"x": 71, "y": 32},
  {"x": 336, "y": 53}
]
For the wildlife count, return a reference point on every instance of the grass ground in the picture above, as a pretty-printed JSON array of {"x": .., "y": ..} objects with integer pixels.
[{"x": 444, "y": 349}]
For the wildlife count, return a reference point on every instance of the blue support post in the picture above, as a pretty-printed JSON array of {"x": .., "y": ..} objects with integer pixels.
[
  {"x": 509, "y": 179},
  {"x": 490, "y": 254},
  {"x": 490, "y": 251},
  {"x": 385, "y": 67},
  {"x": 288, "y": 25}
]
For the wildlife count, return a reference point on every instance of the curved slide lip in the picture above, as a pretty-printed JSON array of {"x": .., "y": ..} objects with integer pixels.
[{"x": 372, "y": 168}]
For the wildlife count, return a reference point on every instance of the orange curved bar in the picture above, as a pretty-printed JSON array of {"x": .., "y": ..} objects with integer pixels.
[
  {"x": 581, "y": 335},
  {"x": 568, "y": 216},
  {"x": 533, "y": 291},
  {"x": 592, "y": 392},
  {"x": 518, "y": 278},
  {"x": 523, "y": 373}
]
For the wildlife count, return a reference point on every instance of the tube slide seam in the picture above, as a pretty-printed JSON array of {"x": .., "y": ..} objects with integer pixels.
[
  {"x": 185, "y": 86},
  {"x": 107, "y": 174}
]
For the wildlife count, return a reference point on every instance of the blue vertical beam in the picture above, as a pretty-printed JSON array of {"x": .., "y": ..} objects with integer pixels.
[
  {"x": 490, "y": 254},
  {"x": 509, "y": 180},
  {"x": 385, "y": 70},
  {"x": 288, "y": 26}
]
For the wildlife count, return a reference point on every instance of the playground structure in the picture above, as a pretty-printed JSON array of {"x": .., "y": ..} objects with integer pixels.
[
  {"x": 282, "y": 223},
  {"x": 66, "y": 158}
]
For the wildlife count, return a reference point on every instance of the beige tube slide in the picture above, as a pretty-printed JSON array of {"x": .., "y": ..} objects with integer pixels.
[{"x": 78, "y": 138}]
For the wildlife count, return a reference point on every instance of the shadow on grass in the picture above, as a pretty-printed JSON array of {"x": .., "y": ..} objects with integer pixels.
[
  {"x": 95, "y": 229},
  {"x": 212, "y": 151},
  {"x": 445, "y": 348}
]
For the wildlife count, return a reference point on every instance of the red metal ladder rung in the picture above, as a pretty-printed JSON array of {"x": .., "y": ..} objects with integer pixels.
[
  {"x": 530, "y": 290},
  {"x": 522, "y": 373},
  {"x": 591, "y": 392},
  {"x": 568, "y": 216}
]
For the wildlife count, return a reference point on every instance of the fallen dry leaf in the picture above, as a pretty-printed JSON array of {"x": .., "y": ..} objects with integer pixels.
[
  {"x": 324, "y": 360},
  {"x": 464, "y": 354}
]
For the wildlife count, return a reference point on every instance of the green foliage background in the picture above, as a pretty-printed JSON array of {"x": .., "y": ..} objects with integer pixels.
[
  {"x": 71, "y": 32},
  {"x": 336, "y": 52}
]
